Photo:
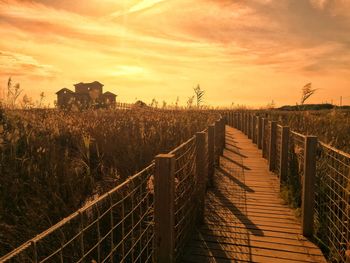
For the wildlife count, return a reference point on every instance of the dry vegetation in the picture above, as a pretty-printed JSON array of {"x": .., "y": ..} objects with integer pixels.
[
  {"x": 52, "y": 162},
  {"x": 331, "y": 126}
]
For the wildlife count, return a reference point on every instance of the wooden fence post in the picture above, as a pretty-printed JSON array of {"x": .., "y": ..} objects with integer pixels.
[
  {"x": 164, "y": 218},
  {"x": 217, "y": 133},
  {"x": 263, "y": 135},
  {"x": 232, "y": 119},
  {"x": 254, "y": 130},
  {"x": 249, "y": 125},
  {"x": 241, "y": 122},
  {"x": 211, "y": 154},
  {"x": 259, "y": 135},
  {"x": 246, "y": 124},
  {"x": 272, "y": 146},
  {"x": 244, "y": 128},
  {"x": 308, "y": 194},
  {"x": 223, "y": 137},
  {"x": 235, "y": 120},
  {"x": 347, "y": 256},
  {"x": 284, "y": 154},
  {"x": 201, "y": 173}
]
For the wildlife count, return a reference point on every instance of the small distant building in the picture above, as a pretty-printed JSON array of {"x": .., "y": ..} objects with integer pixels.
[
  {"x": 86, "y": 95},
  {"x": 109, "y": 98}
]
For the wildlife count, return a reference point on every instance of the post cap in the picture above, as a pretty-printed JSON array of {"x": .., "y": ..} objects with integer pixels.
[{"x": 165, "y": 155}]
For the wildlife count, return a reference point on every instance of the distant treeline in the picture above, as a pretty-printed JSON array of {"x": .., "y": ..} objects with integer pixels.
[{"x": 308, "y": 107}]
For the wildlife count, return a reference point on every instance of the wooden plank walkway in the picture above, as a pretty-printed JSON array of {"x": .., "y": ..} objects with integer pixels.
[{"x": 245, "y": 219}]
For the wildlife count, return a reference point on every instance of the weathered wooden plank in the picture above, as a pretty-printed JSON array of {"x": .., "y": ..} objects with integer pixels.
[
  {"x": 251, "y": 253},
  {"x": 251, "y": 227},
  {"x": 280, "y": 222},
  {"x": 211, "y": 259},
  {"x": 270, "y": 237},
  {"x": 245, "y": 218},
  {"x": 267, "y": 233},
  {"x": 264, "y": 243}
]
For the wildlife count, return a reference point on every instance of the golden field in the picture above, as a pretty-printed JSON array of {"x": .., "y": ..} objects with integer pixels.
[{"x": 52, "y": 162}]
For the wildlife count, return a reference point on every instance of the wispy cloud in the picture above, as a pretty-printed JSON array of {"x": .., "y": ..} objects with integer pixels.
[
  {"x": 19, "y": 65},
  {"x": 144, "y": 4},
  {"x": 135, "y": 45}
]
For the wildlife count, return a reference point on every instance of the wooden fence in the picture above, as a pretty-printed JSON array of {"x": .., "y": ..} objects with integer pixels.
[
  {"x": 148, "y": 218},
  {"x": 314, "y": 173}
]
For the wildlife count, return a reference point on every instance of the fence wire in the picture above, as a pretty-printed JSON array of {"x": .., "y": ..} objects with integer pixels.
[
  {"x": 266, "y": 140},
  {"x": 332, "y": 190},
  {"x": 278, "y": 150},
  {"x": 295, "y": 167},
  {"x": 186, "y": 205},
  {"x": 256, "y": 129},
  {"x": 116, "y": 227},
  {"x": 332, "y": 203},
  {"x": 297, "y": 142}
]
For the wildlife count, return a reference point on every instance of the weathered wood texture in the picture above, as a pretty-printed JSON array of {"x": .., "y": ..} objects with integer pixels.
[{"x": 245, "y": 219}]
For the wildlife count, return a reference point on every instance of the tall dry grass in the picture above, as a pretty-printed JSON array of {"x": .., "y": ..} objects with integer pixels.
[
  {"x": 331, "y": 126},
  {"x": 52, "y": 162}
]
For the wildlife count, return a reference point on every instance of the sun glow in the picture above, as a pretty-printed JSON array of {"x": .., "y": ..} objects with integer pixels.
[{"x": 162, "y": 49}]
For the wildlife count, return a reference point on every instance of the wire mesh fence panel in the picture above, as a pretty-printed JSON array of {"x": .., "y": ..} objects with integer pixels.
[
  {"x": 295, "y": 174},
  {"x": 332, "y": 203},
  {"x": 267, "y": 140},
  {"x": 185, "y": 193},
  {"x": 278, "y": 150},
  {"x": 257, "y": 129},
  {"x": 116, "y": 227}
]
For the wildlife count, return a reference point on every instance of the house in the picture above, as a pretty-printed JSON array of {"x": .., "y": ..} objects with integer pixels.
[{"x": 85, "y": 95}]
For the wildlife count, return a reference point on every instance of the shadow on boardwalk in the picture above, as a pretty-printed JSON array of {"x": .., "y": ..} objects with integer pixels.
[
  {"x": 245, "y": 220},
  {"x": 234, "y": 180}
]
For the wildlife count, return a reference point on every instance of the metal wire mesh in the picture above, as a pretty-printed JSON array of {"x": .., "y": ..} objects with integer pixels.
[
  {"x": 266, "y": 140},
  {"x": 278, "y": 150},
  {"x": 256, "y": 129},
  {"x": 116, "y": 227},
  {"x": 332, "y": 190},
  {"x": 295, "y": 167},
  {"x": 297, "y": 142},
  {"x": 332, "y": 203},
  {"x": 185, "y": 193}
]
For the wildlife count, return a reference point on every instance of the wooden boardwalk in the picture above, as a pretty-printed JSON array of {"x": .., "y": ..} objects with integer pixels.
[{"x": 245, "y": 219}]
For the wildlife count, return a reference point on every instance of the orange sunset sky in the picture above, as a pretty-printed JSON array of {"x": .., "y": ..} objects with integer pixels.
[{"x": 241, "y": 51}]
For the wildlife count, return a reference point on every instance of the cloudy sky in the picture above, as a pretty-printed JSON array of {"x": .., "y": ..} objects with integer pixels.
[{"x": 240, "y": 51}]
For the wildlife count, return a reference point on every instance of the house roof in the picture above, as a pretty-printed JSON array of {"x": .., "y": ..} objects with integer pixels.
[
  {"x": 64, "y": 90},
  {"x": 109, "y": 94},
  {"x": 94, "y": 83}
]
